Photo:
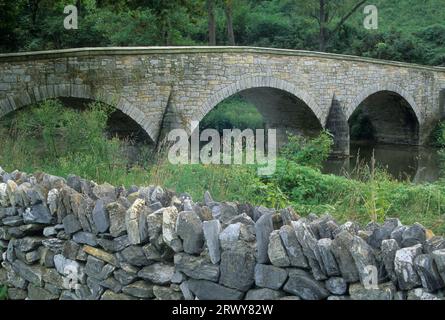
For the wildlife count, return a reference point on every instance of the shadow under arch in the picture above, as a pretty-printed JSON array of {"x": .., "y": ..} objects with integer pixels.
[
  {"x": 369, "y": 91},
  {"x": 224, "y": 92},
  {"x": 282, "y": 106},
  {"x": 41, "y": 93},
  {"x": 385, "y": 115}
]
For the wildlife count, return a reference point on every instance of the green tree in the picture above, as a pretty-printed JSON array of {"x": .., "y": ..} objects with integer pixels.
[
  {"x": 211, "y": 21},
  {"x": 228, "y": 9},
  {"x": 330, "y": 15}
]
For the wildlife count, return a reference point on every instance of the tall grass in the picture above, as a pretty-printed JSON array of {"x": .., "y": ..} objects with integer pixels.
[{"x": 61, "y": 141}]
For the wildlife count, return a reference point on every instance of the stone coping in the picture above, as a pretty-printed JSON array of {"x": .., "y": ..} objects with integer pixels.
[{"x": 97, "y": 51}]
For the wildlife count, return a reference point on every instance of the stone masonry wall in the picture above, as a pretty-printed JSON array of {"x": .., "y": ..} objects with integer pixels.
[
  {"x": 168, "y": 87},
  {"x": 74, "y": 239}
]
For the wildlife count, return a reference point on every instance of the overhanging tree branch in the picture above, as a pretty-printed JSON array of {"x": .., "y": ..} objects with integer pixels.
[{"x": 346, "y": 17}]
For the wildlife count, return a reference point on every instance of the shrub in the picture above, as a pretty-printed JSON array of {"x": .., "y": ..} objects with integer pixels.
[
  {"x": 308, "y": 152},
  {"x": 233, "y": 113},
  {"x": 3, "y": 292},
  {"x": 61, "y": 140}
]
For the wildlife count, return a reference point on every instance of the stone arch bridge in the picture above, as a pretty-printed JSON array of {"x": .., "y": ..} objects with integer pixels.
[{"x": 167, "y": 87}]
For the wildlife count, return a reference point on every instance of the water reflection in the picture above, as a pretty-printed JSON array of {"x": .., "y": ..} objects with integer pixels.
[{"x": 413, "y": 163}]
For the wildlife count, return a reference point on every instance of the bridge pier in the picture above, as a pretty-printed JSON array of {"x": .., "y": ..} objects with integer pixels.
[
  {"x": 338, "y": 126},
  {"x": 292, "y": 89}
]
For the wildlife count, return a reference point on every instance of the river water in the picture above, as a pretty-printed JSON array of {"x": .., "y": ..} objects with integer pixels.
[{"x": 413, "y": 163}]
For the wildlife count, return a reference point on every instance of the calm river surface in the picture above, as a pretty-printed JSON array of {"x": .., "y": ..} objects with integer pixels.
[{"x": 417, "y": 164}]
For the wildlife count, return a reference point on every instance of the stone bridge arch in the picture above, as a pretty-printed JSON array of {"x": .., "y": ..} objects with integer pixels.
[
  {"x": 41, "y": 93},
  {"x": 412, "y": 117},
  {"x": 369, "y": 91},
  {"x": 272, "y": 96},
  {"x": 226, "y": 91}
]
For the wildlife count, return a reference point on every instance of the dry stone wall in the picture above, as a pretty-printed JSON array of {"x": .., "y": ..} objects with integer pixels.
[{"x": 75, "y": 239}]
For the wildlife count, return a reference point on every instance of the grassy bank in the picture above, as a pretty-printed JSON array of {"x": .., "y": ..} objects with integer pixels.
[{"x": 73, "y": 142}]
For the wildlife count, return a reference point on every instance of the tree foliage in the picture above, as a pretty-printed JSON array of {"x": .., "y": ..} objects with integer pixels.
[{"x": 409, "y": 30}]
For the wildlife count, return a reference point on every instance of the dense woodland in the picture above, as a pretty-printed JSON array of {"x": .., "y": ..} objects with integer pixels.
[{"x": 409, "y": 30}]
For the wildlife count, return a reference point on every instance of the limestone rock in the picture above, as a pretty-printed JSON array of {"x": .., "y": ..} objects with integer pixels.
[
  {"x": 323, "y": 227},
  {"x": 104, "y": 191},
  {"x": 363, "y": 257},
  {"x": 37, "y": 293},
  {"x": 167, "y": 293},
  {"x": 38, "y": 213},
  {"x": 230, "y": 235},
  {"x": 125, "y": 277},
  {"x": 135, "y": 256},
  {"x": 189, "y": 229},
  {"x": 263, "y": 229},
  {"x": 206, "y": 290},
  {"x": 340, "y": 247},
  {"x": 413, "y": 235},
  {"x": 33, "y": 274},
  {"x": 136, "y": 222},
  {"x": 169, "y": 218},
  {"x": 101, "y": 217},
  {"x": 111, "y": 245},
  {"x": 404, "y": 267},
  {"x": 110, "y": 295},
  {"x": 82, "y": 237},
  {"x": 100, "y": 254},
  {"x": 139, "y": 289},
  {"x": 293, "y": 247},
  {"x": 385, "y": 291},
  {"x": 260, "y": 211},
  {"x": 112, "y": 284},
  {"x": 117, "y": 219},
  {"x": 237, "y": 267},
  {"x": 439, "y": 259},
  {"x": 389, "y": 248},
  {"x": 211, "y": 231},
  {"x": 154, "y": 225},
  {"x": 427, "y": 271},
  {"x": 224, "y": 211},
  {"x": 337, "y": 286},
  {"x": 383, "y": 233},
  {"x": 198, "y": 268},
  {"x": 28, "y": 244},
  {"x": 208, "y": 200},
  {"x": 310, "y": 248},
  {"x": 71, "y": 224},
  {"x": 4, "y": 199},
  {"x": 158, "y": 273},
  {"x": 263, "y": 294},
  {"x": 17, "y": 294},
  {"x": 433, "y": 244},
  {"x": 267, "y": 276},
  {"x": 98, "y": 269},
  {"x": 421, "y": 294},
  {"x": 303, "y": 285},
  {"x": 329, "y": 263},
  {"x": 276, "y": 251}
]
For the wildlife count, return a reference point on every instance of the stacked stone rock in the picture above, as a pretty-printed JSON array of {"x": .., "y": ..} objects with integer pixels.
[{"x": 75, "y": 239}]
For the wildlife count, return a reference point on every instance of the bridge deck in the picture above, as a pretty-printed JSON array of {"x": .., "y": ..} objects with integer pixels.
[{"x": 94, "y": 51}]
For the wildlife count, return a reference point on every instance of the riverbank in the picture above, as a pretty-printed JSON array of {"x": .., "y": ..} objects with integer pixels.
[
  {"x": 74, "y": 239},
  {"x": 61, "y": 141}
]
